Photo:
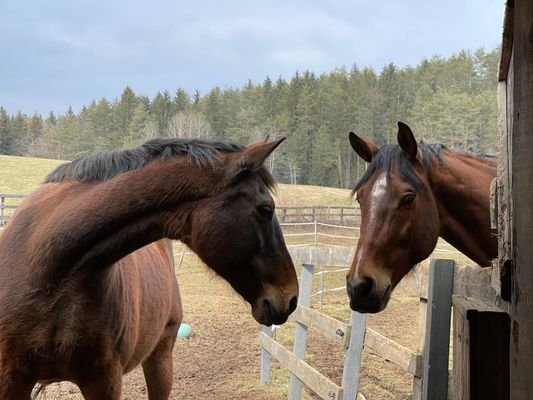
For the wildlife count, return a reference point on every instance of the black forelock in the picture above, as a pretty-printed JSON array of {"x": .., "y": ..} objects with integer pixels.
[{"x": 392, "y": 154}]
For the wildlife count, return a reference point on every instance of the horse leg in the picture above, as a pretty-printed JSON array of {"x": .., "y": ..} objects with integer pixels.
[
  {"x": 157, "y": 368},
  {"x": 105, "y": 385}
]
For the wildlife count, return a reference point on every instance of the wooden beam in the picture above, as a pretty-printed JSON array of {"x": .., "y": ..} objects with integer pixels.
[
  {"x": 461, "y": 351},
  {"x": 422, "y": 312},
  {"x": 521, "y": 355},
  {"x": 435, "y": 366},
  {"x": 400, "y": 355},
  {"x": 507, "y": 41},
  {"x": 330, "y": 327},
  {"x": 471, "y": 282},
  {"x": 313, "y": 379}
]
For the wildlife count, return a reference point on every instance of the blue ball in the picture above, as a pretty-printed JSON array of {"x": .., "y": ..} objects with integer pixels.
[{"x": 185, "y": 331}]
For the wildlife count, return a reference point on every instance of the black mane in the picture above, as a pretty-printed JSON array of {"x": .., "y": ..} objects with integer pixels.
[
  {"x": 106, "y": 165},
  {"x": 390, "y": 154}
]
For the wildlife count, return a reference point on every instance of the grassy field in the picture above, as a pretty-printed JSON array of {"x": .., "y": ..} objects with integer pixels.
[{"x": 21, "y": 175}]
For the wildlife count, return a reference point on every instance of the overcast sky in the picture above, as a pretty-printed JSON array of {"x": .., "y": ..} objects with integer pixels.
[{"x": 59, "y": 53}]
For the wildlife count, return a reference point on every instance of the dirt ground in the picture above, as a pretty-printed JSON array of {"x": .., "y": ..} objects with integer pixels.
[{"x": 222, "y": 359}]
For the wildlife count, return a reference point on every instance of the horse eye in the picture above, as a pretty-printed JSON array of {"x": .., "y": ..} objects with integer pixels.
[
  {"x": 266, "y": 211},
  {"x": 407, "y": 200}
]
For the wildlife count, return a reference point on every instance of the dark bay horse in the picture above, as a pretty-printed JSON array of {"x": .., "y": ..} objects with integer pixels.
[
  {"x": 410, "y": 194},
  {"x": 87, "y": 285}
]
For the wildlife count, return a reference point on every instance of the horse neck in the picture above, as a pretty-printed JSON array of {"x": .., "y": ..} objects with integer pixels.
[
  {"x": 462, "y": 193},
  {"x": 102, "y": 222}
]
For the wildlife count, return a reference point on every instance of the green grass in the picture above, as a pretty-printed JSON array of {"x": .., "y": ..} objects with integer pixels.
[
  {"x": 309, "y": 195},
  {"x": 22, "y": 175}
]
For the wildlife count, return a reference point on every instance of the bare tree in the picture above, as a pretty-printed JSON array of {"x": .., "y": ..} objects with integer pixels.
[
  {"x": 188, "y": 124},
  {"x": 150, "y": 131}
]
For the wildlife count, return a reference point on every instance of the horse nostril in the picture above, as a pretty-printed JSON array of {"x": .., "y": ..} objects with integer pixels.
[
  {"x": 292, "y": 304},
  {"x": 364, "y": 287}
]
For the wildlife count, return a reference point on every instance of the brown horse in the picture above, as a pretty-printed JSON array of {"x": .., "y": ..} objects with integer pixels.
[
  {"x": 75, "y": 306},
  {"x": 409, "y": 196}
]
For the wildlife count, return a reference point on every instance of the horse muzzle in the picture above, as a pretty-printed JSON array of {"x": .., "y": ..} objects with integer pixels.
[
  {"x": 269, "y": 312},
  {"x": 365, "y": 295}
]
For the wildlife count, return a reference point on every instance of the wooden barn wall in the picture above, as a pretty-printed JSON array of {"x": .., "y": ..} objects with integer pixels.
[{"x": 521, "y": 346}]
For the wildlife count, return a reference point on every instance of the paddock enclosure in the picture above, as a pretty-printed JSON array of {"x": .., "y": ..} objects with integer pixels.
[
  {"x": 492, "y": 323},
  {"x": 223, "y": 356}
]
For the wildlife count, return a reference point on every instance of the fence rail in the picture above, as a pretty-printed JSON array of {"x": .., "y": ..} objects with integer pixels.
[
  {"x": 8, "y": 204},
  {"x": 338, "y": 215},
  {"x": 428, "y": 366},
  {"x": 348, "y": 336}
]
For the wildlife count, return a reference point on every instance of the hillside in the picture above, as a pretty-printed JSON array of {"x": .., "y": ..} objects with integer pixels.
[{"x": 22, "y": 175}]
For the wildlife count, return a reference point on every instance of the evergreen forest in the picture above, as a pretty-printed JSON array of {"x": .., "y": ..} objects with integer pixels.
[{"x": 445, "y": 100}]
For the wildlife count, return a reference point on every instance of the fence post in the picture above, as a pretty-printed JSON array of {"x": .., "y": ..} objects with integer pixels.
[
  {"x": 422, "y": 312},
  {"x": 316, "y": 233},
  {"x": 300, "y": 333},
  {"x": 265, "y": 356},
  {"x": 321, "y": 292},
  {"x": 437, "y": 342},
  {"x": 352, "y": 360}
]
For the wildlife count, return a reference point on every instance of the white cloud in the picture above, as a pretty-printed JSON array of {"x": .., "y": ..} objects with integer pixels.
[{"x": 89, "y": 49}]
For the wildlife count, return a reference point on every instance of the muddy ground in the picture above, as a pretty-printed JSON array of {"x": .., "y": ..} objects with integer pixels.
[{"x": 222, "y": 359}]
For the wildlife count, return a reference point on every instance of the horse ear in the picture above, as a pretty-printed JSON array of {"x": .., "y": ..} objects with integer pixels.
[
  {"x": 364, "y": 148},
  {"x": 255, "y": 154},
  {"x": 407, "y": 140}
]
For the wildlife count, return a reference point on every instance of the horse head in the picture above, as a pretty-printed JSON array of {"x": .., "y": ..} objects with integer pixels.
[{"x": 399, "y": 219}]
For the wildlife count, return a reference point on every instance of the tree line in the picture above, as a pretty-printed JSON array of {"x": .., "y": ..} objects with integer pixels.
[{"x": 445, "y": 100}]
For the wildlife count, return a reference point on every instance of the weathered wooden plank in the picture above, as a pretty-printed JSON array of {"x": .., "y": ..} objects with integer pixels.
[
  {"x": 464, "y": 304},
  {"x": 507, "y": 42},
  {"x": 461, "y": 351},
  {"x": 480, "y": 359},
  {"x": 313, "y": 379},
  {"x": 522, "y": 194},
  {"x": 501, "y": 271},
  {"x": 408, "y": 360},
  {"x": 300, "y": 333},
  {"x": 494, "y": 205},
  {"x": 472, "y": 282},
  {"x": 422, "y": 312},
  {"x": 352, "y": 359},
  {"x": 435, "y": 366},
  {"x": 330, "y": 327}
]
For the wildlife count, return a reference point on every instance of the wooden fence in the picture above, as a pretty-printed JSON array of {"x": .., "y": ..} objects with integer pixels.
[
  {"x": 8, "y": 204},
  {"x": 349, "y": 336},
  {"x": 428, "y": 366},
  {"x": 340, "y": 215}
]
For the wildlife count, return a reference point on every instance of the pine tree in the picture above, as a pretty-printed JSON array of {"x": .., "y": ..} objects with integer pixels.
[
  {"x": 123, "y": 115},
  {"x": 6, "y": 139}
]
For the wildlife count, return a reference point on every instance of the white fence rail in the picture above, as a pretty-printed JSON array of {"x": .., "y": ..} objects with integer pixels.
[{"x": 428, "y": 366}]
